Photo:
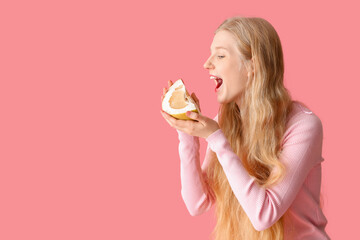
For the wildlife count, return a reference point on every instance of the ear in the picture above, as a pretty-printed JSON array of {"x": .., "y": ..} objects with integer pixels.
[{"x": 252, "y": 67}]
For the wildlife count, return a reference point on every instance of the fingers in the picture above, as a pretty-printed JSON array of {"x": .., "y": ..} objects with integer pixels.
[
  {"x": 165, "y": 117},
  {"x": 176, "y": 123},
  {"x": 197, "y": 117},
  {"x": 171, "y": 121},
  {"x": 195, "y": 98},
  {"x": 193, "y": 95}
]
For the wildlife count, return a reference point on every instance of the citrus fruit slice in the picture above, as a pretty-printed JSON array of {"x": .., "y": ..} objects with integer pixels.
[{"x": 177, "y": 101}]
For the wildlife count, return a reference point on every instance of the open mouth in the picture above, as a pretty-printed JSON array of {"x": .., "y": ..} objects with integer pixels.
[{"x": 218, "y": 82}]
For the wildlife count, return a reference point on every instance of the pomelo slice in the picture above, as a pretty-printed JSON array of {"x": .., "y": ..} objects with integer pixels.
[{"x": 177, "y": 101}]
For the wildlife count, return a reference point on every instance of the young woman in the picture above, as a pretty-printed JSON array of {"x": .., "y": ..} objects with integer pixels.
[{"x": 263, "y": 161}]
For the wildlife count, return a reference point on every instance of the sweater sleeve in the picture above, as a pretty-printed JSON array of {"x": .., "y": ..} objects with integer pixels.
[
  {"x": 197, "y": 196},
  {"x": 301, "y": 151}
]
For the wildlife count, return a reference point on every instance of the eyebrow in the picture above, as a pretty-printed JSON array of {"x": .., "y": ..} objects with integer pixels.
[{"x": 220, "y": 47}]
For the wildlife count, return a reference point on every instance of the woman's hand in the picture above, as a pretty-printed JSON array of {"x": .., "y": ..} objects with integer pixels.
[{"x": 201, "y": 127}]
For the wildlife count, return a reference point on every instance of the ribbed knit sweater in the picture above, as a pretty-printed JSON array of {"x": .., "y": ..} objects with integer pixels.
[{"x": 298, "y": 191}]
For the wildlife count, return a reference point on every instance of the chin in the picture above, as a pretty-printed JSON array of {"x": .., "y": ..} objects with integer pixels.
[{"x": 222, "y": 101}]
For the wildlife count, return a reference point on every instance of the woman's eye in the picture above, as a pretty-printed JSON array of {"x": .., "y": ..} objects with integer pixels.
[{"x": 221, "y": 56}]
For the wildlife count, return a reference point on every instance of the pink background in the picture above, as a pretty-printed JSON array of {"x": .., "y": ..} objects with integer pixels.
[{"x": 84, "y": 151}]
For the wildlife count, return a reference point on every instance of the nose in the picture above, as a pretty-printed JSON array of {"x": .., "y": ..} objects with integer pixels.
[{"x": 208, "y": 64}]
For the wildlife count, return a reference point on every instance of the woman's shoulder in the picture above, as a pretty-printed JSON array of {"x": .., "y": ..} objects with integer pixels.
[
  {"x": 302, "y": 117},
  {"x": 304, "y": 130},
  {"x": 299, "y": 109}
]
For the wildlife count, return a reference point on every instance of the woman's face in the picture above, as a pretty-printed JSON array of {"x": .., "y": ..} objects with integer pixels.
[{"x": 225, "y": 63}]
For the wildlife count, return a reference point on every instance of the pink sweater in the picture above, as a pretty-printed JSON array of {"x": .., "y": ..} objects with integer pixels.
[{"x": 298, "y": 192}]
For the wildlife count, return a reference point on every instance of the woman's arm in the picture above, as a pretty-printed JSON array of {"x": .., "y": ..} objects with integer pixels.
[
  {"x": 194, "y": 190},
  {"x": 302, "y": 146}
]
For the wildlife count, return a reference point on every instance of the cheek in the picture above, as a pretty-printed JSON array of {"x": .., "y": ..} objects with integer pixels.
[
  {"x": 236, "y": 68},
  {"x": 235, "y": 81},
  {"x": 233, "y": 72}
]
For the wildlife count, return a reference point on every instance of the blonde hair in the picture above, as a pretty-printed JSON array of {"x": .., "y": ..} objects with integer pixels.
[{"x": 254, "y": 133}]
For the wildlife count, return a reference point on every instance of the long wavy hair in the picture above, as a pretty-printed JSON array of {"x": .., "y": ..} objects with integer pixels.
[{"x": 254, "y": 133}]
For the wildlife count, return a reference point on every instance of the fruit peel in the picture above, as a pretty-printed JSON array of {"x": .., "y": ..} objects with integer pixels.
[{"x": 183, "y": 116}]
